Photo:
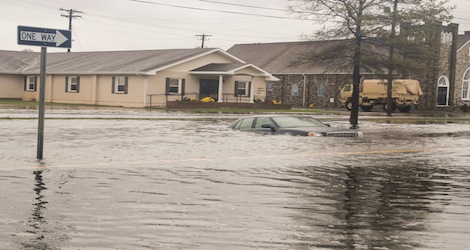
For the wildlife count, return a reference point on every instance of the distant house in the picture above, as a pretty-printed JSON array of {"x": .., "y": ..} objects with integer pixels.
[
  {"x": 446, "y": 84},
  {"x": 133, "y": 78}
]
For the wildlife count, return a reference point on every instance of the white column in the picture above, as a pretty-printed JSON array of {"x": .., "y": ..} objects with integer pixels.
[
  {"x": 252, "y": 90},
  {"x": 221, "y": 81}
]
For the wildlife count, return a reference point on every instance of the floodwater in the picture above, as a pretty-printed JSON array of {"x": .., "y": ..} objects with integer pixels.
[{"x": 154, "y": 180}]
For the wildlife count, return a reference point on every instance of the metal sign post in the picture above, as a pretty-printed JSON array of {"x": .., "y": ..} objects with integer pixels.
[
  {"x": 42, "y": 97},
  {"x": 45, "y": 38}
]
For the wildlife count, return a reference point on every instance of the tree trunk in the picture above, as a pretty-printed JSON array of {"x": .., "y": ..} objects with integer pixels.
[
  {"x": 354, "y": 117},
  {"x": 391, "y": 65}
]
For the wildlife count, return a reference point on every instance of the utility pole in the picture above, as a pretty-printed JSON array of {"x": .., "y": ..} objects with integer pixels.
[
  {"x": 70, "y": 15},
  {"x": 203, "y": 38}
]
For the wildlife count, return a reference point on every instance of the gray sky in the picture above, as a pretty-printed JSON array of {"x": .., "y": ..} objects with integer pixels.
[{"x": 164, "y": 24}]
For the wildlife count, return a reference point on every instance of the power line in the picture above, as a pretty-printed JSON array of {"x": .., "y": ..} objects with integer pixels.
[
  {"x": 71, "y": 15},
  {"x": 211, "y": 10},
  {"x": 243, "y": 5},
  {"x": 203, "y": 38}
]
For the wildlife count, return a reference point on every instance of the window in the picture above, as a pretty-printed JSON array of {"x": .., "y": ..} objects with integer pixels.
[
  {"x": 30, "y": 83},
  {"x": 72, "y": 84},
  {"x": 443, "y": 81},
  {"x": 321, "y": 89},
  {"x": 242, "y": 88},
  {"x": 294, "y": 91},
  {"x": 446, "y": 37},
  {"x": 270, "y": 87},
  {"x": 175, "y": 86},
  {"x": 246, "y": 123},
  {"x": 119, "y": 85},
  {"x": 347, "y": 88},
  {"x": 466, "y": 85},
  {"x": 442, "y": 91},
  {"x": 262, "y": 121}
]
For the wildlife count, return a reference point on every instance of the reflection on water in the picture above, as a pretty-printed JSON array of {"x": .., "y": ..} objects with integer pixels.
[
  {"x": 193, "y": 184},
  {"x": 372, "y": 207},
  {"x": 37, "y": 222}
]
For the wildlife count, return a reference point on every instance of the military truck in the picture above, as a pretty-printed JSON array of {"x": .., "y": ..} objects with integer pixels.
[{"x": 405, "y": 94}]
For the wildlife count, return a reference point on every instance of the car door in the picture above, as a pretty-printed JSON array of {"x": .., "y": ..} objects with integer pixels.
[{"x": 258, "y": 125}]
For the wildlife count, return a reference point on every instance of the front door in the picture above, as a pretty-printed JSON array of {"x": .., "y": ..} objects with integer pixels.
[
  {"x": 442, "y": 96},
  {"x": 209, "y": 87}
]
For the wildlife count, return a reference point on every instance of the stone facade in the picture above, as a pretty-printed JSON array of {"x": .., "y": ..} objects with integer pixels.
[
  {"x": 304, "y": 90},
  {"x": 463, "y": 65}
]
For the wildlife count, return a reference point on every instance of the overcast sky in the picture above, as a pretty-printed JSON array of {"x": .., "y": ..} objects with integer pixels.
[{"x": 164, "y": 24}]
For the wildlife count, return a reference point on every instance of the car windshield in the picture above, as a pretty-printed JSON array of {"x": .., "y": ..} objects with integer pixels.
[{"x": 289, "y": 122}]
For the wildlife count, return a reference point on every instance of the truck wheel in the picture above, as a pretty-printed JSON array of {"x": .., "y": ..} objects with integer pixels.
[
  {"x": 366, "y": 108},
  {"x": 394, "y": 106},
  {"x": 348, "y": 105},
  {"x": 405, "y": 109}
]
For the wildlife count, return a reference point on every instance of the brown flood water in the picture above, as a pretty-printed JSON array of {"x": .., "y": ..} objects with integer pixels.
[{"x": 179, "y": 183}]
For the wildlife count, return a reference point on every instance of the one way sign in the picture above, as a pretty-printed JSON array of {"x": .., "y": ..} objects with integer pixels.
[{"x": 44, "y": 37}]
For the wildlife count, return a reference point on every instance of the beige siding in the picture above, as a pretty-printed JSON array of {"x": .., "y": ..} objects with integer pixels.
[
  {"x": 95, "y": 90},
  {"x": 134, "y": 97},
  {"x": 12, "y": 86}
]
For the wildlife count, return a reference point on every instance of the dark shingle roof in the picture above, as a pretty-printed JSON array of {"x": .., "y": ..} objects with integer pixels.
[
  {"x": 281, "y": 58},
  {"x": 462, "y": 40},
  {"x": 15, "y": 61},
  {"x": 96, "y": 62}
]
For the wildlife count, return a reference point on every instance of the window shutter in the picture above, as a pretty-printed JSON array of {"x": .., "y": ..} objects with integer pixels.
[
  {"x": 235, "y": 92},
  {"x": 167, "y": 86},
  {"x": 25, "y": 83},
  {"x": 126, "y": 84},
  {"x": 113, "y": 84},
  {"x": 249, "y": 89},
  {"x": 183, "y": 83},
  {"x": 78, "y": 84},
  {"x": 35, "y": 83},
  {"x": 66, "y": 84}
]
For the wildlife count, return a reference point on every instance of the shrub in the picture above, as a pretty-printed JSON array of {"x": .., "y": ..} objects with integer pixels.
[{"x": 207, "y": 99}]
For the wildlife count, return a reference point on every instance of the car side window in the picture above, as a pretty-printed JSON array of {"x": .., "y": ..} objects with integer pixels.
[
  {"x": 246, "y": 123},
  {"x": 261, "y": 121}
]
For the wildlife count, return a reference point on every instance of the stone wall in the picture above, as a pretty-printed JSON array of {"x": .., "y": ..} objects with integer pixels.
[
  {"x": 463, "y": 64},
  {"x": 303, "y": 90}
]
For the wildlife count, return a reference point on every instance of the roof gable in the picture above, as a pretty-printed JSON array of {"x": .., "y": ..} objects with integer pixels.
[{"x": 233, "y": 69}]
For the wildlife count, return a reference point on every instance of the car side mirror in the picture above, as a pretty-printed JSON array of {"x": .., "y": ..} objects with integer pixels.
[{"x": 268, "y": 126}]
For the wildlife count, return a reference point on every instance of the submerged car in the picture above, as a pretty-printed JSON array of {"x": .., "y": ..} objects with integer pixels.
[{"x": 291, "y": 125}]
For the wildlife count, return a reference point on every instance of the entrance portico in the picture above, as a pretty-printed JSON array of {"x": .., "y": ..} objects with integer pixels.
[{"x": 234, "y": 79}]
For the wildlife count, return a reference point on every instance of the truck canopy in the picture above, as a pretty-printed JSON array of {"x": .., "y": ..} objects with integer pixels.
[{"x": 400, "y": 86}]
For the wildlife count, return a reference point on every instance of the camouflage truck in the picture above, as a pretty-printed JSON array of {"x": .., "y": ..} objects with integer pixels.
[{"x": 405, "y": 94}]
